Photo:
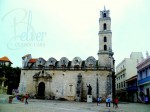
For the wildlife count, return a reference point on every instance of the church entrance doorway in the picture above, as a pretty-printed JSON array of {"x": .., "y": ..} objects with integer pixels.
[{"x": 41, "y": 89}]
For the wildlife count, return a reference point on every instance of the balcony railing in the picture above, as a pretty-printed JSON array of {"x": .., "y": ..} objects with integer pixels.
[{"x": 147, "y": 79}]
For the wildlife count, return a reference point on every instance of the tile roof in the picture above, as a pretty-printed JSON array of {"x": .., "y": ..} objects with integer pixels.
[
  {"x": 32, "y": 60},
  {"x": 5, "y": 58}
]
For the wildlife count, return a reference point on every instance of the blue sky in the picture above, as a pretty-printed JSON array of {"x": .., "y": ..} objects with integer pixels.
[{"x": 69, "y": 28}]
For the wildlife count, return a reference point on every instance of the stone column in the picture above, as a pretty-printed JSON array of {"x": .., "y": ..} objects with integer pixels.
[{"x": 79, "y": 87}]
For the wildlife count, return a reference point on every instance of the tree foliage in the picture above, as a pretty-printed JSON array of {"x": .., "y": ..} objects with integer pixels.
[{"x": 12, "y": 75}]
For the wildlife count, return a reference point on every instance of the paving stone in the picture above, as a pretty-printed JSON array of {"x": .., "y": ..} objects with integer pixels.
[{"x": 70, "y": 106}]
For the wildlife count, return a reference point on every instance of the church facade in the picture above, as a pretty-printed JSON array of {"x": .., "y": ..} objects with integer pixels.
[{"x": 69, "y": 79}]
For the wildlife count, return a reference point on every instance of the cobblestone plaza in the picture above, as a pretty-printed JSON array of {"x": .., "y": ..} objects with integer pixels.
[{"x": 70, "y": 106}]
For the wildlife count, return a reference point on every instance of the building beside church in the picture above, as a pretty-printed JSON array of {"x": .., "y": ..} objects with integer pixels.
[
  {"x": 143, "y": 74},
  {"x": 132, "y": 89},
  {"x": 69, "y": 78},
  {"x": 124, "y": 71},
  {"x": 4, "y": 61}
]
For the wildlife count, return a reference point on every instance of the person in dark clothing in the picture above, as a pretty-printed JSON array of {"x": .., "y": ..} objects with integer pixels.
[
  {"x": 146, "y": 99},
  {"x": 99, "y": 100},
  {"x": 109, "y": 101},
  {"x": 106, "y": 102},
  {"x": 26, "y": 98}
]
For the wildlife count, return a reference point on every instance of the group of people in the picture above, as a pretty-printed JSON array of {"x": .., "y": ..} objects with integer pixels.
[{"x": 108, "y": 101}]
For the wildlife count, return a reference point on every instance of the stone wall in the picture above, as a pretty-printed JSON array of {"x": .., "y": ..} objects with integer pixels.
[{"x": 63, "y": 84}]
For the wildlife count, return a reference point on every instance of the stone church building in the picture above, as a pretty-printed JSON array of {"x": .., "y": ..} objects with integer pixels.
[{"x": 68, "y": 79}]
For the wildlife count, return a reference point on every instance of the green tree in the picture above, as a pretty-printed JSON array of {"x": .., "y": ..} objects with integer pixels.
[{"x": 12, "y": 75}]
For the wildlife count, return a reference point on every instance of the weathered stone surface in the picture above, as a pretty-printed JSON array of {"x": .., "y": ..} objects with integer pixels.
[{"x": 59, "y": 84}]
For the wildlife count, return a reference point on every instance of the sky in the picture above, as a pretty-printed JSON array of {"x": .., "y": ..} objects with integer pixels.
[{"x": 69, "y": 28}]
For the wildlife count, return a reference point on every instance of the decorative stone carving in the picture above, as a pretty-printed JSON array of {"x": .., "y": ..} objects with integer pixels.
[
  {"x": 109, "y": 84},
  {"x": 63, "y": 62},
  {"x": 48, "y": 75},
  {"x": 51, "y": 62},
  {"x": 89, "y": 94},
  {"x": 76, "y": 62},
  {"x": 40, "y": 62},
  {"x": 41, "y": 74},
  {"x": 70, "y": 89},
  {"x": 79, "y": 87},
  {"x": 89, "y": 90},
  {"x": 90, "y": 62},
  {"x": 36, "y": 75}
]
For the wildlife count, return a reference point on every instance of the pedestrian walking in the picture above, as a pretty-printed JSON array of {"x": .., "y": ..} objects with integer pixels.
[
  {"x": 109, "y": 100},
  {"x": 116, "y": 102},
  {"x": 106, "y": 102},
  {"x": 99, "y": 100},
  {"x": 26, "y": 98},
  {"x": 146, "y": 99}
]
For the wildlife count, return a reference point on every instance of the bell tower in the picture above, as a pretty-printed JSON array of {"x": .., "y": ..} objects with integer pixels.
[{"x": 105, "y": 39}]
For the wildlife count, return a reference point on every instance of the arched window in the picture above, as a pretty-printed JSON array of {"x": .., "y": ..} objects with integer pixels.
[
  {"x": 104, "y": 15},
  {"x": 105, "y": 47},
  {"x": 104, "y": 26},
  {"x": 105, "y": 39}
]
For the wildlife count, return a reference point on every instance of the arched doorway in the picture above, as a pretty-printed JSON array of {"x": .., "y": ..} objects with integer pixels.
[{"x": 41, "y": 89}]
